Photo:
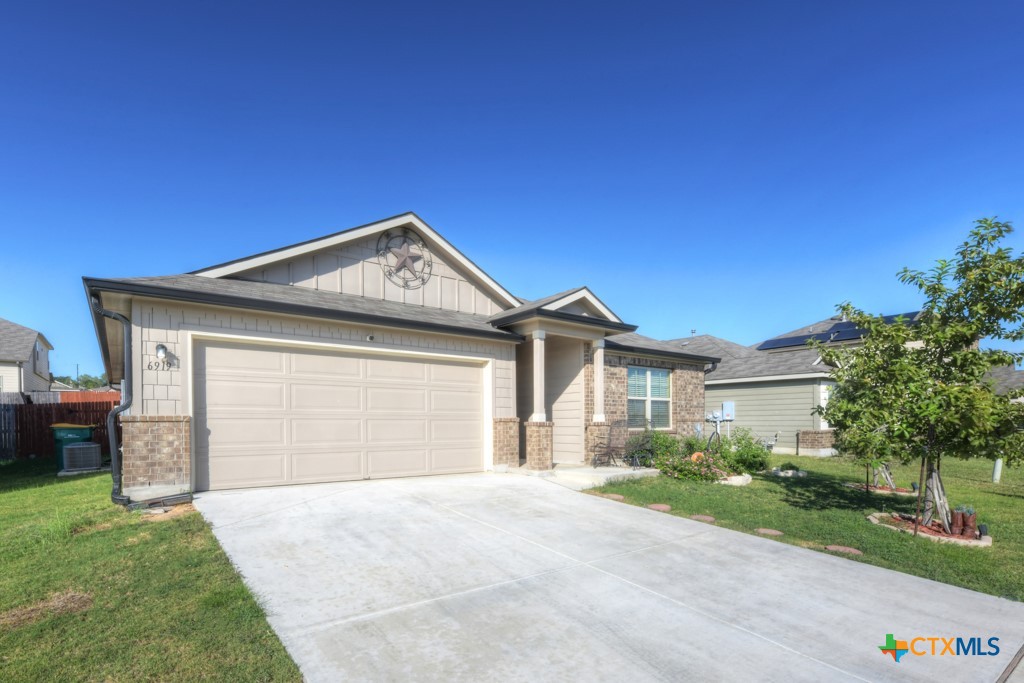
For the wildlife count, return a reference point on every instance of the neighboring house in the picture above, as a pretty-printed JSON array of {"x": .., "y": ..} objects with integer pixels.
[
  {"x": 380, "y": 351},
  {"x": 1006, "y": 379},
  {"x": 24, "y": 359},
  {"x": 776, "y": 384}
]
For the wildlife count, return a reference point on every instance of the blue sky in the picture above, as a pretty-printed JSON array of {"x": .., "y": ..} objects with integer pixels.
[{"x": 737, "y": 168}]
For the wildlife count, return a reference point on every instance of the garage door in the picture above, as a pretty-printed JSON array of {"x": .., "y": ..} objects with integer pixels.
[{"x": 267, "y": 415}]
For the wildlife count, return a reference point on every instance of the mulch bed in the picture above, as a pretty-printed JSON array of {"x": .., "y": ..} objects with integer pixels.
[{"x": 906, "y": 522}]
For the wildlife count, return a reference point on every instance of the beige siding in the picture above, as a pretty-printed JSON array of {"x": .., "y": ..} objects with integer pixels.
[
  {"x": 163, "y": 391},
  {"x": 354, "y": 269},
  {"x": 10, "y": 377},
  {"x": 769, "y": 407},
  {"x": 34, "y": 382},
  {"x": 563, "y": 388}
]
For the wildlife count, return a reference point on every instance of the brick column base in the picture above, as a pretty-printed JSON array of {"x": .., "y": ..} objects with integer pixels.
[
  {"x": 539, "y": 445},
  {"x": 156, "y": 450},
  {"x": 596, "y": 437},
  {"x": 506, "y": 442}
]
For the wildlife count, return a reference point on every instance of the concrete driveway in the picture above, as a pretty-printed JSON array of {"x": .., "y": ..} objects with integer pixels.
[{"x": 506, "y": 577}]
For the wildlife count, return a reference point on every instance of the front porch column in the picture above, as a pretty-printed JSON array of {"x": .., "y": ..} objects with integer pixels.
[
  {"x": 539, "y": 414},
  {"x": 539, "y": 445},
  {"x": 599, "y": 381}
]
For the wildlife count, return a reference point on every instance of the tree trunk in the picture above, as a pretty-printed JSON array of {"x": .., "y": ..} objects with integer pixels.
[
  {"x": 920, "y": 493},
  {"x": 936, "y": 505}
]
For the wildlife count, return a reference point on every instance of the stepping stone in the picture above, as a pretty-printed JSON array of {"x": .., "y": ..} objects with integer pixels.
[
  {"x": 614, "y": 496},
  {"x": 843, "y": 549},
  {"x": 660, "y": 507},
  {"x": 768, "y": 532},
  {"x": 703, "y": 518}
]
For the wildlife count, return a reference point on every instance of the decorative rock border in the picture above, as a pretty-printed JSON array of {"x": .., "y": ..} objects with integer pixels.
[
  {"x": 769, "y": 532},
  {"x": 703, "y": 518},
  {"x": 738, "y": 480},
  {"x": 660, "y": 507},
  {"x": 789, "y": 473},
  {"x": 880, "y": 491},
  {"x": 983, "y": 542},
  {"x": 613, "y": 496}
]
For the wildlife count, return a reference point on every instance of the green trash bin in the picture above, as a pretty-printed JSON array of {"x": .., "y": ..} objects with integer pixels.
[{"x": 64, "y": 434}]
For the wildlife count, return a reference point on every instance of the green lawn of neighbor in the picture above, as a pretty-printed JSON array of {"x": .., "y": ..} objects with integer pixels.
[
  {"x": 92, "y": 592},
  {"x": 818, "y": 510}
]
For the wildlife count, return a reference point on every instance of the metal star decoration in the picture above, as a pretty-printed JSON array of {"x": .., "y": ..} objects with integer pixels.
[{"x": 405, "y": 259}]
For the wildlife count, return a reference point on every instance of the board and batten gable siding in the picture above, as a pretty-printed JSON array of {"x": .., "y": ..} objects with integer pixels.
[
  {"x": 782, "y": 406},
  {"x": 354, "y": 269},
  {"x": 163, "y": 392}
]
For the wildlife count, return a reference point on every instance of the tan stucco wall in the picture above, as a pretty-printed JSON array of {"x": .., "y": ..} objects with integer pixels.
[
  {"x": 165, "y": 392},
  {"x": 354, "y": 269}
]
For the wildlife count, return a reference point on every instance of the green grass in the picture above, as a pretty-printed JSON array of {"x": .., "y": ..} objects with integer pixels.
[
  {"x": 166, "y": 603},
  {"x": 818, "y": 510}
]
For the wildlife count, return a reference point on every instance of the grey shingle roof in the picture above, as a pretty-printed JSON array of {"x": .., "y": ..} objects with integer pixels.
[
  {"x": 631, "y": 341},
  {"x": 304, "y": 301},
  {"x": 17, "y": 342},
  {"x": 740, "y": 361},
  {"x": 532, "y": 305},
  {"x": 1006, "y": 379}
]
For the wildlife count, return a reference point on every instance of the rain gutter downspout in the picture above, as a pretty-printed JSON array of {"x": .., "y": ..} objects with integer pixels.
[
  {"x": 126, "y": 401},
  {"x": 711, "y": 368}
]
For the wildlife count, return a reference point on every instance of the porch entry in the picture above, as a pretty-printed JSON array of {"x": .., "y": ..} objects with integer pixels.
[{"x": 564, "y": 398}]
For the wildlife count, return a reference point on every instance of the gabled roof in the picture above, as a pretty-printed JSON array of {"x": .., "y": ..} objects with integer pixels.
[
  {"x": 550, "y": 306},
  {"x": 835, "y": 330},
  {"x": 17, "y": 342},
  {"x": 265, "y": 296},
  {"x": 409, "y": 219},
  {"x": 742, "y": 362}
]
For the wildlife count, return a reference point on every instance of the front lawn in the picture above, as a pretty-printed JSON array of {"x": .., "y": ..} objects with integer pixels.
[
  {"x": 89, "y": 591},
  {"x": 818, "y": 510}
]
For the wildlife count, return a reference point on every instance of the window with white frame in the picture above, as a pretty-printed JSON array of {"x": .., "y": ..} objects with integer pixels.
[{"x": 649, "y": 399}]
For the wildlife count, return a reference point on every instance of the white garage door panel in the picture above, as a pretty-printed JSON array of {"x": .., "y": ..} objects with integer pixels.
[
  {"x": 449, "y": 459},
  {"x": 247, "y": 469},
  {"x": 326, "y": 397},
  {"x": 269, "y": 415},
  {"x": 397, "y": 463},
  {"x": 327, "y": 431},
  {"x": 394, "y": 400},
  {"x": 243, "y": 395},
  {"x": 333, "y": 466},
  {"x": 324, "y": 366},
  {"x": 225, "y": 431}
]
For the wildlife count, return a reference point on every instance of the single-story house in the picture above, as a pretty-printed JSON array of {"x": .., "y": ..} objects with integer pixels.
[
  {"x": 379, "y": 351},
  {"x": 24, "y": 359},
  {"x": 776, "y": 384}
]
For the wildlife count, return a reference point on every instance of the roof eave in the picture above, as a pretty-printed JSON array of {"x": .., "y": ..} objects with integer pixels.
[
  {"x": 501, "y": 321},
  {"x": 692, "y": 357},
  {"x": 290, "y": 309}
]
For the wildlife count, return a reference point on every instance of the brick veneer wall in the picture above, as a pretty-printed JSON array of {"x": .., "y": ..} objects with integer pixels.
[
  {"x": 506, "y": 441},
  {"x": 815, "y": 442},
  {"x": 539, "y": 445},
  {"x": 597, "y": 437},
  {"x": 156, "y": 450},
  {"x": 687, "y": 392}
]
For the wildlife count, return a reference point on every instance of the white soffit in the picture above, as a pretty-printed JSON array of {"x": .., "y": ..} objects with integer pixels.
[{"x": 405, "y": 220}]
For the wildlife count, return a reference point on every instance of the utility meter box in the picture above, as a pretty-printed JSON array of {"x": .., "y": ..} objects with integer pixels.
[{"x": 728, "y": 411}]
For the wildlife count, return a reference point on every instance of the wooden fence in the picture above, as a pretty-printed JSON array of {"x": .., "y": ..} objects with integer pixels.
[{"x": 25, "y": 429}]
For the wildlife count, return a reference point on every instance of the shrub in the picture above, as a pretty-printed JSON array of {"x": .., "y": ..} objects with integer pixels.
[
  {"x": 744, "y": 453},
  {"x": 706, "y": 468},
  {"x": 651, "y": 446}
]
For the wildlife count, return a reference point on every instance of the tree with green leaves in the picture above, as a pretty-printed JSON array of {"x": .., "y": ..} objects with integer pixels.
[
  {"x": 84, "y": 381},
  {"x": 917, "y": 390}
]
